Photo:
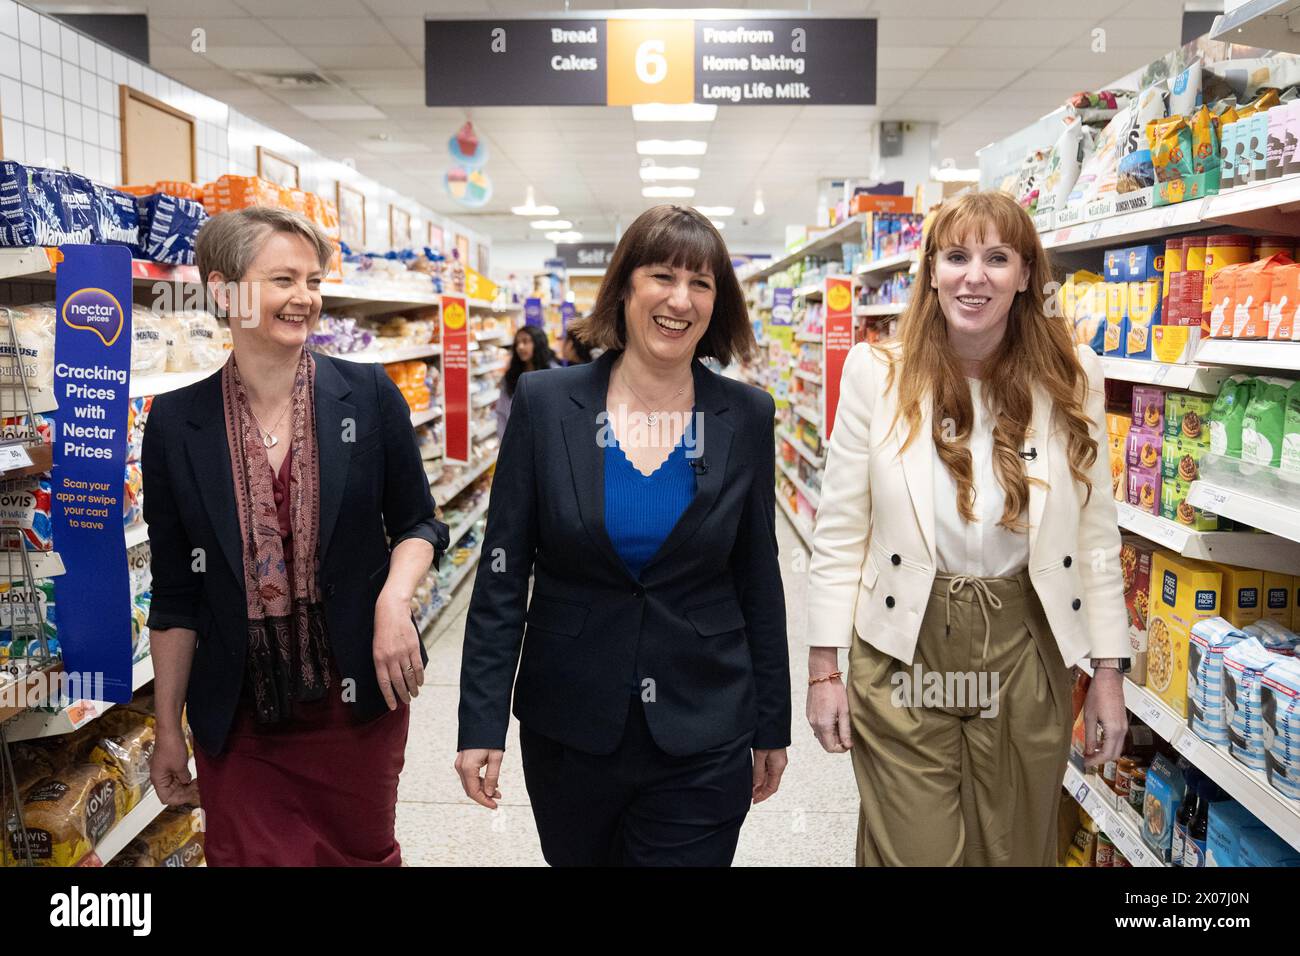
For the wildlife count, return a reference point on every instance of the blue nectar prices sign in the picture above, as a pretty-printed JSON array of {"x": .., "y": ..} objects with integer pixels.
[{"x": 92, "y": 363}]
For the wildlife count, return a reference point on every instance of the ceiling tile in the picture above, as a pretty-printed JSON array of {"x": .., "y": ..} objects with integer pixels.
[
  {"x": 914, "y": 32},
  {"x": 909, "y": 57},
  {"x": 1030, "y": 33},
  {"x": 967, "y": 79},
  {"x": 361, "y": 57},
  {"x": 271, "y": 58},
  {"x": 331, "y": 31}
]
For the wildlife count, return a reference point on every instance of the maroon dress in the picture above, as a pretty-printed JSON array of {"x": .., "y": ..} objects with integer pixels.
[{"x": 319, "y": 789}]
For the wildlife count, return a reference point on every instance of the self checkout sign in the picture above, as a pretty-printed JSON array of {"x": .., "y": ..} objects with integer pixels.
[{"x": 772, "y": 61}]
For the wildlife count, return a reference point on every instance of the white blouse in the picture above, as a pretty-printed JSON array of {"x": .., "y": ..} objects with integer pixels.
[{"x": 981, "y": 548}]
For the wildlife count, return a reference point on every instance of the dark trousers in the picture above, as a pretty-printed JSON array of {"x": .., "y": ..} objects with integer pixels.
[{"x": 637, "y": 806}]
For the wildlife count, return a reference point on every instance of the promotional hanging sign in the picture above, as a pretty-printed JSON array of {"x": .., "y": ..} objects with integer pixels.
[
  {"x": 774, "y": 60},
  {"x": 455, "y": 379},
  {"x": 567, "y": 313},
  {"x": 92, "y": 380},
  {"x": 837, "y": 339},
  {"x": 533, "y": 312},
  {"x": 782, "y": 306}
]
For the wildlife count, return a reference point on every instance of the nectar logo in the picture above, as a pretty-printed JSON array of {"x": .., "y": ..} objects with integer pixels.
[
  {"x": 454, "y": 315},
  {"x": 94, "y": 310},
  {"x": 839, "y": 298}
]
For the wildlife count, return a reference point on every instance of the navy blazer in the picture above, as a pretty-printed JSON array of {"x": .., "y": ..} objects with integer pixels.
[
  {"x": 373, "y": 494},
  {"x": 701, "y": 636}
]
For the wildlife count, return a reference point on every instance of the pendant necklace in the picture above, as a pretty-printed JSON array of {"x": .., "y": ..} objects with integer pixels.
[
  {"x": 268, "y": 439},
  {"x": 651, "y": 417}
]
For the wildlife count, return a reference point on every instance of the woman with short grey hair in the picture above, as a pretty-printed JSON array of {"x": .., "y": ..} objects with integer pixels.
[{"x": 290, "y": 521}]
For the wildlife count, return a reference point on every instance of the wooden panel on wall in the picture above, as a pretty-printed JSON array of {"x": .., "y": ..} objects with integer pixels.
[{"x": 158, "y": 141}]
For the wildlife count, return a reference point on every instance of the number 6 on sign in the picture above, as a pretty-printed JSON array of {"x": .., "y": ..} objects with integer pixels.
[{"x": 650, "y": 61}]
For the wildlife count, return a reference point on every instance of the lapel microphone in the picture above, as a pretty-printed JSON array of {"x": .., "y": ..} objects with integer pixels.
[
  {"x": 1030, "y": 455},
  {"x": 699, "y": 466}
]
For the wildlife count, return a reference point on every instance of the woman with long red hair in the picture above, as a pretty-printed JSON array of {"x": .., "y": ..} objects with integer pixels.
[{"x": 967, "y": 554}]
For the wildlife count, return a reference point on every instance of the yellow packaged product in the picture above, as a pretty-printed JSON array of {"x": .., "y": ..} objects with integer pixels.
[
  {"x": 1170, "y": 140},
  {"x": 1116, "y": 309},
  {"x": 1276, "y": 603},
  {"x": 1243, "y": 590},
  {"x": 1183, "y": 592},
  {"x": 68, "y": 813},
  {"x": 1119, "y": 467}
]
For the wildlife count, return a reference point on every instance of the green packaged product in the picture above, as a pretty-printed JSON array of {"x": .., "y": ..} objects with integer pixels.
[
  {"x": 1291, "y": 435},
  {"x": 1263, "y": 423},
  {"x": 1227, "y": 415}
]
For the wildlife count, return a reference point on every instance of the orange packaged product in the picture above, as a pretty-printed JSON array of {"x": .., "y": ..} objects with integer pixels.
[
  {"x": 210, "y": 201},
  {"x": 180, "y": 189},
  {"x": 1284, "y": 302},
  {"x": 399, "y": 372},
  {"x": 146, "y": 190},
  {"x": 1224, "y": 299},
  {"x": 1252, "y": 297},
  {"x": 294, "y": 199}
]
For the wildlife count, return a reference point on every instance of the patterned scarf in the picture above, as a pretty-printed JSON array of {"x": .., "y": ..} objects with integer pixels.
[{"x": 288, "y": 650}]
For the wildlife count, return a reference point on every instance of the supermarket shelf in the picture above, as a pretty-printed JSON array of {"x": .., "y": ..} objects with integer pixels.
[
  {"x": 489, "y": 306},
  {"x": 442, "y": 495},
  {"x": 1129, "y": 227},
  {"x": 45, "y": 564},
  {"x": 489, "y": 368},
  {"x": 809, "y": 338},
  {"x": 1267, "y": 514},
  {"x": 128, "y": 828},
  {"x": 1248, "y": 787},
  {"x": 809, "y": 416},
  {"x": 809, "y": 290},
  {"x": 463, "y": 527},
  {"x": 1192, "y": 378},
  {"x": 485, "y": 399},
  {"x": 490, "y": 337},
  {"x": 426, "y": 416},
  {"x": 20, "y": 263},
  {"x": 1091, "y": 793},
  {"x": 848, "y": 231},
  {"x": 485, "y": 431},
  {"x": 812, "y": 497},
  {"x": 800, "y": 526},
  {"x": 817, "y": 461},
  {"x": 142, "y": 385},
  {"x": 808, "y": 376},
  {"x": 137, "y": 533},
  {"x": 406, "y": 354},
  {"x": 35, "y": 695},
  {"x": 883, "y": 308},
  {"x": 359, "y": 297},
  {"x": 1246, "y": 354},
  {"x": 886, "y": 265},
  {"x": 1261, "y": 23},
  {"x": 36, "y": 724},
  {"x": 1245, "y": 548},
  {"x": 461, "y": 574}
]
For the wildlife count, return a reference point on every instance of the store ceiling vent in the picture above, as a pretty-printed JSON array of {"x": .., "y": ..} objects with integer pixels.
[{"x": 296, "y": 80}]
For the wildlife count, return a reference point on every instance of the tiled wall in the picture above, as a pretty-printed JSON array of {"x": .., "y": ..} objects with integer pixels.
[{"x": 60, "y": 106}]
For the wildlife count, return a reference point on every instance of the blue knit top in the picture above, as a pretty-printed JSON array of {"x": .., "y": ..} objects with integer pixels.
[{"x": 641, "y": 510}]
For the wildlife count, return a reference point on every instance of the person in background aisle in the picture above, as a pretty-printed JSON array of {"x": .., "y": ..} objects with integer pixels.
[
  {"x": 967, "y": 531},
  {"x": 531, "y": 351},
  {"x": 638, "y": 491},
  {"x": 276, "y": 488},
  {"x": 575, "y": 351}
]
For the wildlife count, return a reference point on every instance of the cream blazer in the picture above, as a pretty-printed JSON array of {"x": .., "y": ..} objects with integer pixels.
[{"x": 873, "y": 561}]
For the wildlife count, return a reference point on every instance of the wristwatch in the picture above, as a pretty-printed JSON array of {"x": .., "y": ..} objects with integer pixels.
[{"x": 1121, "y": 664}]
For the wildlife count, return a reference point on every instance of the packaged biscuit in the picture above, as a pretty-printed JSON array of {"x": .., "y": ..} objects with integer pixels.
[
  {"x": 1175, "y": 506},
  {"x": 1144, "y": 487},
  {"x": 1228, "y": 415},
  {"x": 1143, "y": 447},
  {"x": 1149, "y": 407},
  {"x": 1244, "y": 667},
  {"x": 1263, "y": 423},
  {"x": 1290, "y": 158},
  {"x": 1205, "y": 715},
  {"x": 1183, "y": 592},
  {"x": 1116, "y": 318},
  {"x": 1143, "y": 314},
  {"x": 1243, "y": 590},
  {"x": 1274, "y": 164},
  {"x": 45, "y": 207},
  {"x": 1118, "y": 468},
  {"x": 1170, "y": 142},
  {"x": 1187, "y": 415},
  {"x": 67, "y": 814},
  {"x": 1181, "y": 459},
  {"x": 25, "y": 504},
  {"x": 1135, "y": 558},
  {"x": 1276, "y": 604},
  {"x": 1175, "y": 344},
  {"x": 1227, "y": 153}
]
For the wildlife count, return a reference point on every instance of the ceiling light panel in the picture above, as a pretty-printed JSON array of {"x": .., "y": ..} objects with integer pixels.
[
  {"x": 671, "y": 147},
  {"x": 674, "y": 112},
  {"x": 654, "y": 174},
  {"x": 667, "y": 192}
]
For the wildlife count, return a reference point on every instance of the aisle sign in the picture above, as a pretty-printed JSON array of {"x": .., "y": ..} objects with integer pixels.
[
  {"x": 837, "y": 339},
  {"x": 455, "y": 379},
  {"x": 92, "y": 380},
  {"x": 798, "y": 60},
  {"x": 533, "y": 312},
  {"x": 783, "y": 306}
]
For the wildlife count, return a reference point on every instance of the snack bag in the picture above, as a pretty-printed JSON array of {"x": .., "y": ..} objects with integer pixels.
[
  {"x": 148, "y": 342},
  {"x": 44, "y": 207},
  {"x": 1284, "y": 301},
  {"x": 1290, "y": 455},
  {"x": 1228, "y": 414},
  {"x": 1254, "y": 288},
  {"x": 1171, "y": 148},
  {"x": 1205, "y": 141}
]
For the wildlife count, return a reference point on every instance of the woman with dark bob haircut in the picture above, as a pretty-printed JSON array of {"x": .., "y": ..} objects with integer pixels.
[{"x": 653, "y": 694}]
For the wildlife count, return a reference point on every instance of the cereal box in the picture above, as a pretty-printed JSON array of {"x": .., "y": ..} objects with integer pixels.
[
  {"x": 1149, "y": 407},
  {"x": 1242, "y": 594},
  {"x": 1183, "y": 592},
  {"x": 1276, "y": 605},
  {"x": 1135, "y": 562}
]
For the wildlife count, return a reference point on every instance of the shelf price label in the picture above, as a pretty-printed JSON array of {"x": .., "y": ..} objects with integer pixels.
[
  {"x": 14, "y": 456},
  {"x": 1188, "y": 744},
  {"x": 1152, "y": 715}
]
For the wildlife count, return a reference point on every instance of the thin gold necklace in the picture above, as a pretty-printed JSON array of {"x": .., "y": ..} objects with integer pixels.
[{"x": 652, "y": 417}]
